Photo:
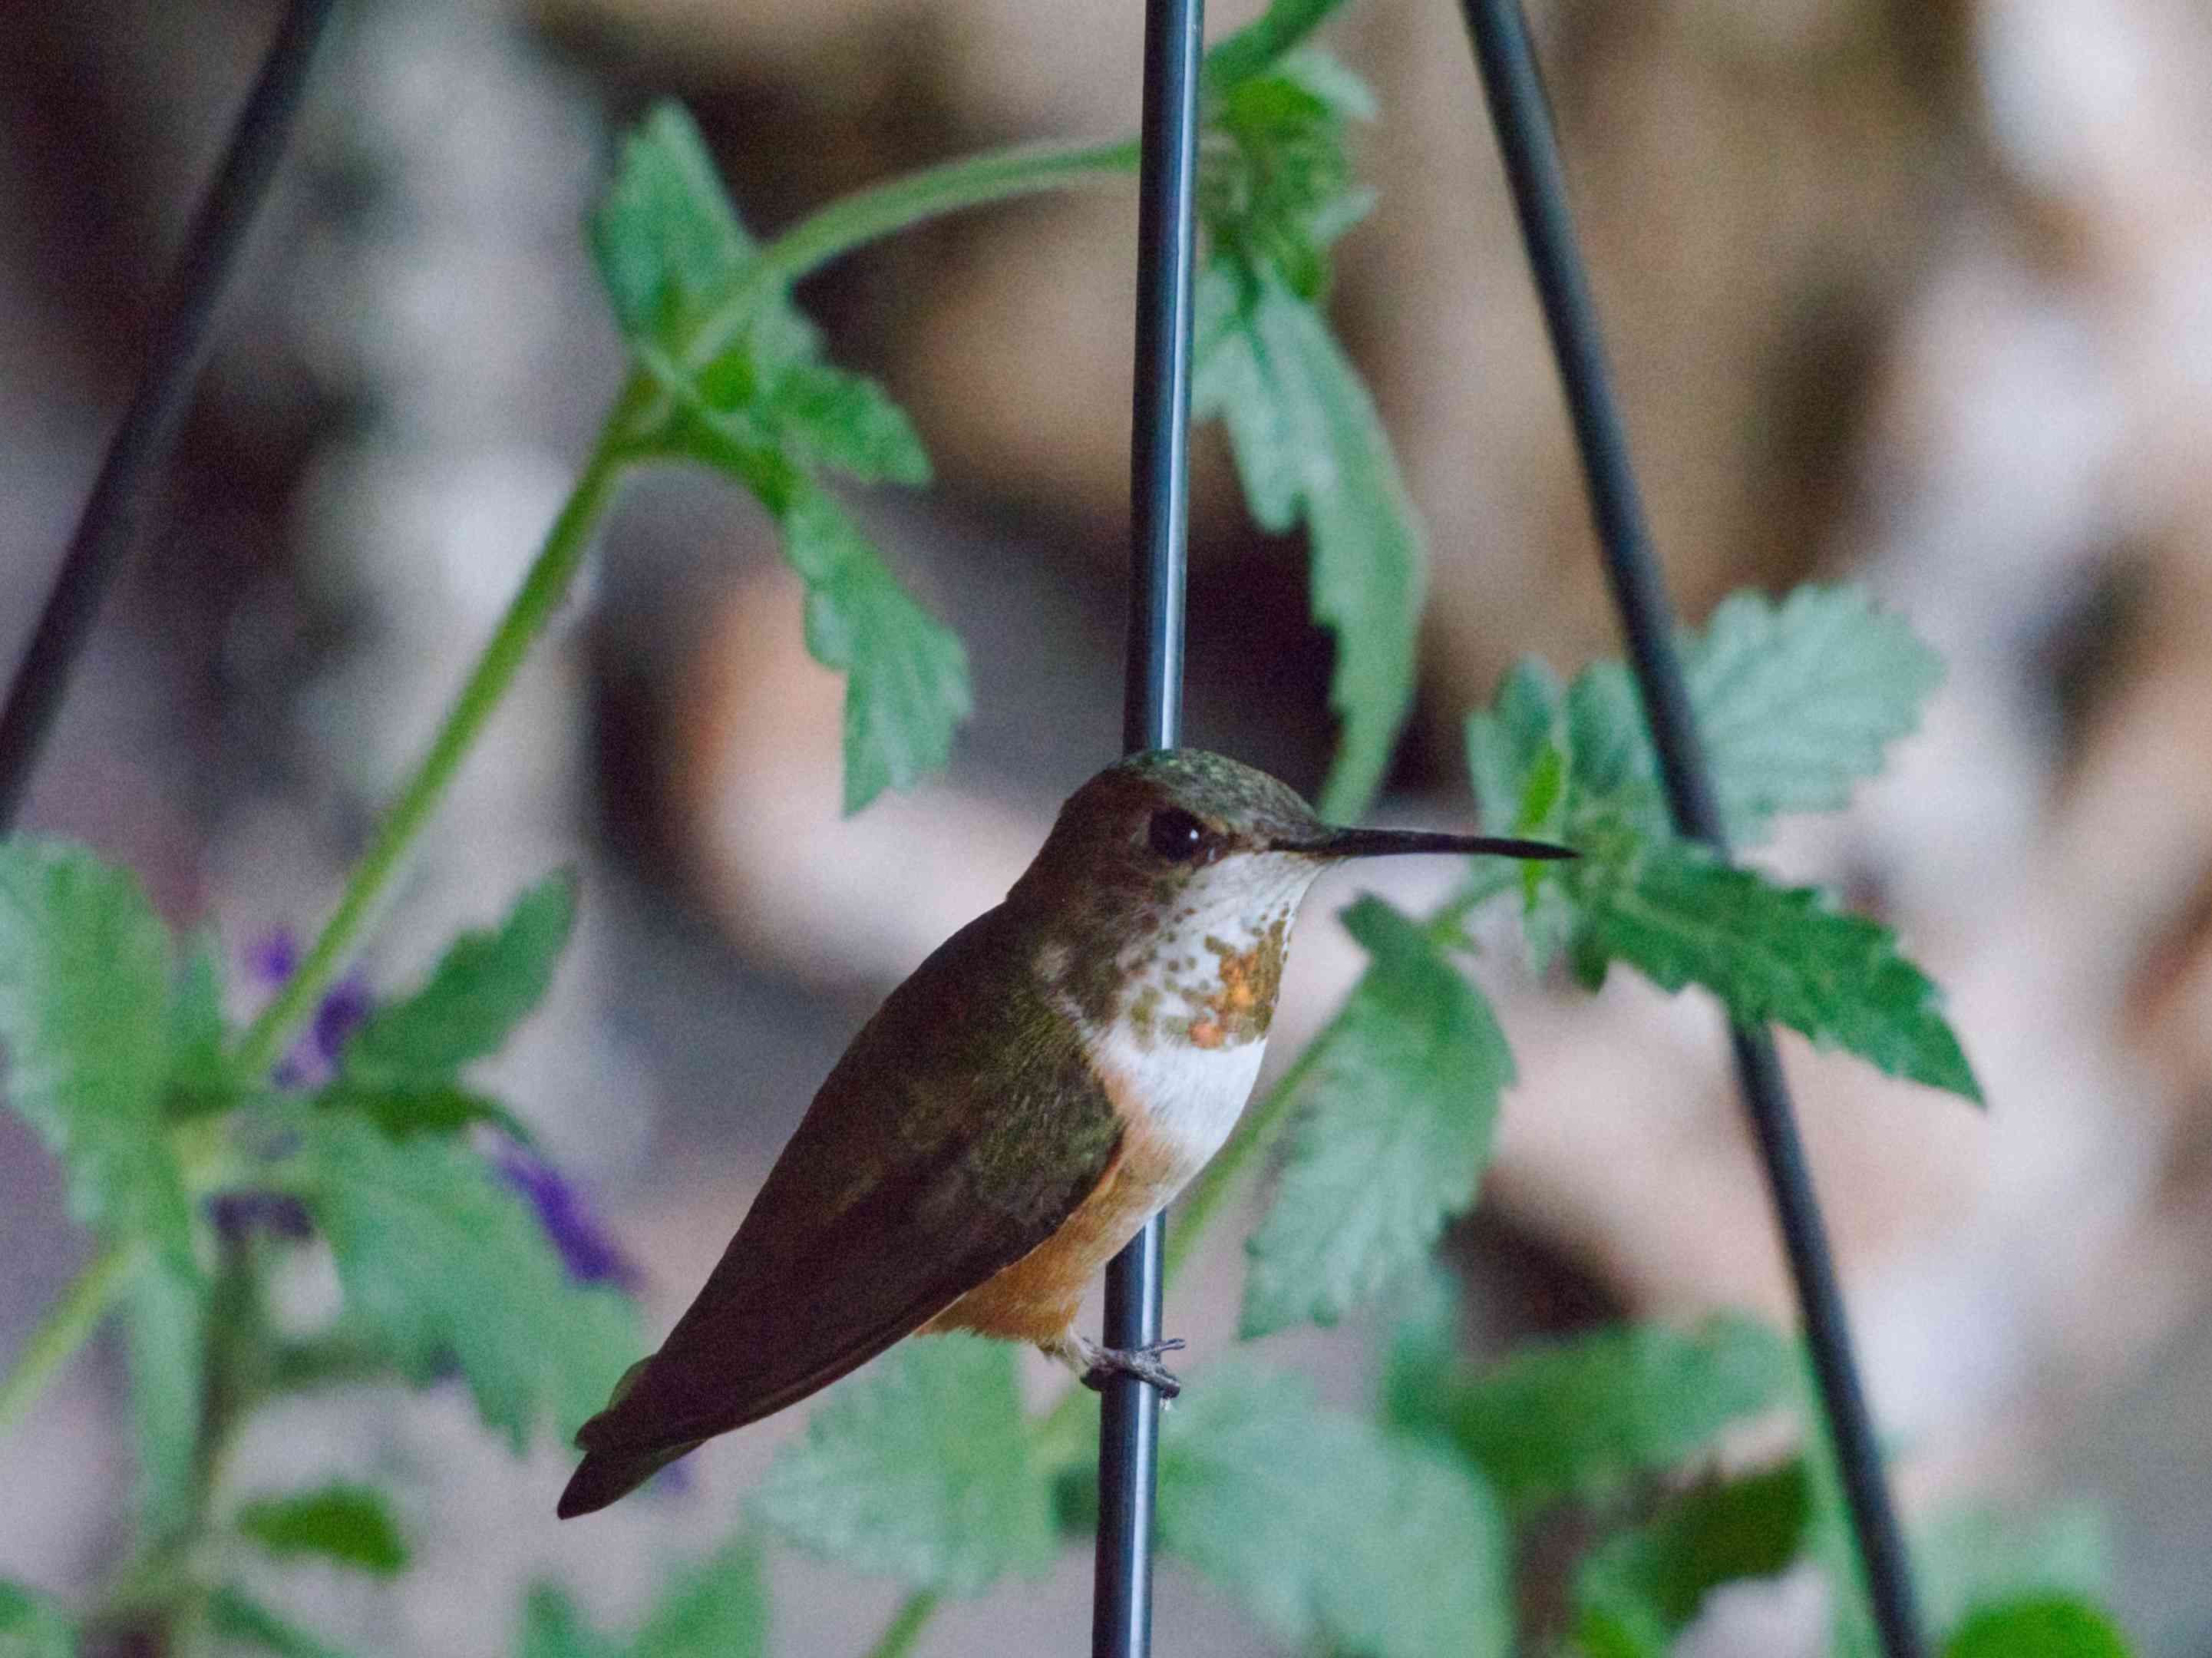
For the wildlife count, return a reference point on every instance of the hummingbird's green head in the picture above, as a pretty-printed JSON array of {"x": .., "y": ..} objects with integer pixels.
[
  {"x": 1166, "y": 889},
  {"x": 1159, "y": 818}
]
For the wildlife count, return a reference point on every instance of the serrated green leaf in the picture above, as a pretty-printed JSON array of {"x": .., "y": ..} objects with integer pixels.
[
  {"x": 765, "y": 410},
  {"x": 346, "y": 1523},
  {"x": 1331, "y": 1531},
  {"x": 716, "y": 1609},
  {"x": 919, "y": 1469},
  {"x": 1309, "y": 444},
  {"x": 553, "y": 1628},
  {"x": 906, "y": 684},
  {"x": 2055, "y": 1626},
  {"x": 1640, "y": 1588},
  {"x": 200, "y": 1080},
  {"x": 449, "y": 1265},
  {"x": 165, "y": 1322},
  {"x": 235, "y": 1616},
  {"x": 1973, "y": 1557},
  {"x": 84, "y": 1003},
  {"x": 849, "y": 422},
  {"x": 663, "y": 235},
  {"x": 1778, "y": 955},
  {"x": 1396, "y": 1101},
  {"x": 32, "y": 1626},
  {"x": 486, "y": 984},
  {"x": 1797, "y": 701},
  {"x": 1582, "y": 1417}
]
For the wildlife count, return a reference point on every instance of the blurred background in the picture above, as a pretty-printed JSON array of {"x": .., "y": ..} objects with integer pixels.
[{"x": 1916, "y": 294}]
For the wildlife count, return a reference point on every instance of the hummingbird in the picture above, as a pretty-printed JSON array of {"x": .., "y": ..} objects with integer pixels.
[{"x": 1016, "y": 1111}]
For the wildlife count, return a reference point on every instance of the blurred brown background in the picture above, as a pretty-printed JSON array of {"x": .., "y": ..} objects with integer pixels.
[{"x": 1916, "y": 294}]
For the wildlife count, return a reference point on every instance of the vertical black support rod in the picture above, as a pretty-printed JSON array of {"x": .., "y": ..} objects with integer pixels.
[
  {"x": 149, "y": 427},
  {"x": 1159, "y": 483},
  {"x": 1518, "y": 108}
]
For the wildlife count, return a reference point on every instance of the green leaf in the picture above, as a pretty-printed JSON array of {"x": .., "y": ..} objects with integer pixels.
[
  {"x": 1421, "y": 1365},
  {"x": 1309, "y": 444},
  {"x": 344, "y": 1522},
  {"x": 1778, "y": 954},
  {"x": 1507, "y": 741},
  {"x": 1796, "y": 701},
  {"x": 1396, "y": 1101},
  {"x": 1257, "y": 45},
  {"x": 433, "y": 1108},
  {"x": 1971, "y": 1557},
  {"x": 1333, "y": 1532},
  {"x": 200, "y": 1079},
  {"x": 849, "y": 422},
  {"x": 32, "y": 1626},
  {"x": 1581, "y": 1417},
  {"x": 553, "y": 1628},
  {"x": 769, "y": 412},
  {"x": 716, "y": 1609},
  {"x": 84, "y": 1019},
  {"x": 165, "y": 1321},
  {"x": 449, "y": 1265},
  {"x": 1641, "y": 1588},
  {"x": 2052, "y": 1627},
  {"x": 484, "y": 986},
  {"x": 663, "y": 235},
  {"x": 906, "y": 687},
  {"x": 236, "y": 1615},
  {"x": 919, "y": 1469}
]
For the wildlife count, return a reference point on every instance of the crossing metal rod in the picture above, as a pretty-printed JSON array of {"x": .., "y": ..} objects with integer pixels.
[
  {"x": 149, "y": 427},
  {"x": 1159, "y": 489},
  {"x": 1522, "y": 115}
]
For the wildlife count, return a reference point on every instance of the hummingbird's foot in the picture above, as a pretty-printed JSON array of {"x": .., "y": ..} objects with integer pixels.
[{"x": 1143, "y": 1363}]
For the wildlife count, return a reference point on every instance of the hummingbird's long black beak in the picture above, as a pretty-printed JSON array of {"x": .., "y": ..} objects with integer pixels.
[{"x": 1391, "y": 843}]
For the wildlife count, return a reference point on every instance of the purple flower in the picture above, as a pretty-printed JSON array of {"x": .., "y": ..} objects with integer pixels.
[
  {"x": 314, "y": 1057},
  {"x": 239, "y": 1215},
  {"x": 590, "y": 1255}
]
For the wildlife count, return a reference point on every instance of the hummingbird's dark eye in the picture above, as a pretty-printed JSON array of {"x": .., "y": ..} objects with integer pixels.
[{"x": 1176, "y": 835}]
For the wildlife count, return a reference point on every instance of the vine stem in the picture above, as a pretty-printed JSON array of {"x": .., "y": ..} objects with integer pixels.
[
  {"x": 65, "y": 1328},
  {"x": 850, "y": 222},
  {"x": 534, "y": 605},
  {"x": 898, "y": 204},
  {"x": 906, "y": 1626}
]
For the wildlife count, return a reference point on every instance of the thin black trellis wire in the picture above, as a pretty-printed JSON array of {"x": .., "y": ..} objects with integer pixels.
[
  {"x": 1519, "y": 111},
  {"x": 149, "y": 427},
  {"x": 1167, "y": 239}
]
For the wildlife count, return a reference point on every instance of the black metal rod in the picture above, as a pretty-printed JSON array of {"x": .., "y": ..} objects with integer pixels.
[
  {"x": 1522, "y": 115},
  {"x": 1159, "y": 501},
  {"x": 149, "y": 427}
]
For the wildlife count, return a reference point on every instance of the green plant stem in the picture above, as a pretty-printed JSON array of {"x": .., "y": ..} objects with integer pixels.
[
  {"x": 543, "y": 590},
  {"x": 866, "y": 215},
  {"x": 972, "y": 181},
  {"x": 906, "y": 1626},
  {"x": 65, "y": 1328}
]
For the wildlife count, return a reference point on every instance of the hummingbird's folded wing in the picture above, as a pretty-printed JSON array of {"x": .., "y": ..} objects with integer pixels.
[{"x": 962, "y": 1127}]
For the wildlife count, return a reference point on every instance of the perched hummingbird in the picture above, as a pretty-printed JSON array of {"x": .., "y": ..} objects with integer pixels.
[{"x": 1014, "y": 1113}]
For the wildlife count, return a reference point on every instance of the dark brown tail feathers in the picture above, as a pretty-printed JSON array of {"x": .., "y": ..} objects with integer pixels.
[{"x": 604, "y": 1476}]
